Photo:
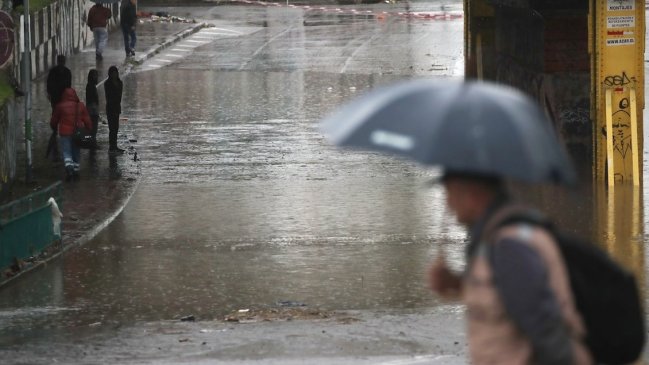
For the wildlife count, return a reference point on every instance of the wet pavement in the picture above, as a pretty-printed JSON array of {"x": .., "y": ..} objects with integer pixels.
[
  {"x": 242, "y": 204},
  {"x": 107, "y": 181}
]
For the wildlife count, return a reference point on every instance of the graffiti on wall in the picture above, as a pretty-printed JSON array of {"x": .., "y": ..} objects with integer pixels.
[
  {"x": 619, "y": 80},
  {"x": 74, "y": 35},
  {"x": 621, "y": 124},
  {"x": 64, "y": 31},
  {"x": 6, "y": 38}
]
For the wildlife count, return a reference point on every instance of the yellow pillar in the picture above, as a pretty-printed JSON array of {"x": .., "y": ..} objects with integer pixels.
[
  {"x": 617, "y": 34},
  {"x": 617, "y": 43}
]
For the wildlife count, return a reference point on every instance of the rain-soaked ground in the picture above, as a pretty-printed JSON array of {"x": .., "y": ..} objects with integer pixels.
[{"x": 242, "y": 202}]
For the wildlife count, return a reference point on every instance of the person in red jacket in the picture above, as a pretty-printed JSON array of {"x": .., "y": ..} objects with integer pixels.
[
  {"x": 98, "y": 17},
  {"x": 69, "y": 113}
]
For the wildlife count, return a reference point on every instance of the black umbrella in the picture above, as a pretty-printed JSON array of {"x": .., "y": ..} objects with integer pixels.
[{"x": 470, "y": 127}]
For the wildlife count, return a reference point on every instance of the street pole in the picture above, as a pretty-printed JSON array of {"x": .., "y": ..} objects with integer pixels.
[{"x": 27, "y": 70}]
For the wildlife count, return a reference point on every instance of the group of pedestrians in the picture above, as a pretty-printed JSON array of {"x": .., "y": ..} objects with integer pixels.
[
  {"x": 70, "y": 116},
  {"x": 98, "y": 17}
]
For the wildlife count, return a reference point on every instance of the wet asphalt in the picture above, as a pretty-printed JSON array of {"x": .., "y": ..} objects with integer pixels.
[{"x": 241, "y": 203}]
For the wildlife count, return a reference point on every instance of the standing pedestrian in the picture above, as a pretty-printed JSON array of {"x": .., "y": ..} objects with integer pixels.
[
  {"x": 128, "y": 19},
  {"x": 113, "y": 90},
  {"x": 68, "y": 114},
  {"x": 59, "y": 78},
  {"x": 92, "y": 103},
  {"x": 98, "y": 17}
]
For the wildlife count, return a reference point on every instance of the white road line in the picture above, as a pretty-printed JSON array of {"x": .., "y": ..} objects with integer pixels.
[
  {"x": 193, "y": 41},
  {"x": 209, "y": 30},
  {"x": 226, "y": 34},
  {"x": 174, "y": 55},
  {"x": 243, "y": 65},
  {"x": 416, "y": 360},
  {"x": 351, "y": 57}
]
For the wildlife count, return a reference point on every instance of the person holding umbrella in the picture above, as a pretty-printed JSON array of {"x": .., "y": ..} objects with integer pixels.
[{"x": 519, "y": 305}]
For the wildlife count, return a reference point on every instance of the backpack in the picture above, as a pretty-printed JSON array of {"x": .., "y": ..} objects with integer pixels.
[{"x": 605, "y": 294}]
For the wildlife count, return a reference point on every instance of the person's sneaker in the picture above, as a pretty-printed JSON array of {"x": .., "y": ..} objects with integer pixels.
[{"x": 132, "y": 53}]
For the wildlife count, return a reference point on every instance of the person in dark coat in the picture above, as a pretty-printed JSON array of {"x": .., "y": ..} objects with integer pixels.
[
  {"x": 69, "y": 113},
  {"x": 113, "y": 90},
  {"x": 128, "y": 19},
  {"x": 58, "y": 79},
  {"x": 92, "y": 102}
]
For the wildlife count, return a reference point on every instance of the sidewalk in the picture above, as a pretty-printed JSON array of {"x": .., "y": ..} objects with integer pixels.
[{"x": 107, "y": 181}]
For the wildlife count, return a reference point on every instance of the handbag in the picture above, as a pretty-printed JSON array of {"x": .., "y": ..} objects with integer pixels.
[{"x": 81, "y": 136}]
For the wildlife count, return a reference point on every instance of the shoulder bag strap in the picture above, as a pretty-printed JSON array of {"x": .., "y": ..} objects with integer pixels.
[{"x": 76, "y": 117}]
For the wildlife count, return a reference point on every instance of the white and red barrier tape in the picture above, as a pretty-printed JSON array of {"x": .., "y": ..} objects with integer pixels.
[{"x": 437, "y": 15}]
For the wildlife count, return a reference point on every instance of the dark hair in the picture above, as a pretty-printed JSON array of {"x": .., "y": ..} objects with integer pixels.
[
  {"x": 60, "y": 59},
  {"x": 93, "y": 76},
  {"x": 113, "y": 72}
]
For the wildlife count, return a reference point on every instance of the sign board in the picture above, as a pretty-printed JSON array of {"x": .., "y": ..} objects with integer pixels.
[
  {"x": 620, "y": 22},
  {"x": 620, "y": 5},
  {"x": 620, "y": 41}
]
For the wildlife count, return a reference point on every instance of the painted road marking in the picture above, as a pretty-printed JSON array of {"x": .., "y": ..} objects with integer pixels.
[
  {"x": 208, "y": 30},
  {"x": 185, "y": 47}
]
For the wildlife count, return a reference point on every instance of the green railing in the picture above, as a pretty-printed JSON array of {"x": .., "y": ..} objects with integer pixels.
[{"x": 26, "y": 227}]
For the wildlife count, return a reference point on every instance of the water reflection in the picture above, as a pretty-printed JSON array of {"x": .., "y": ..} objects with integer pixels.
[{"x": 244, "y": 204}]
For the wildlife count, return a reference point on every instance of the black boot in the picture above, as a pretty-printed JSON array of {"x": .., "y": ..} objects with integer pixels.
[
  {"x": 115, "y": 150},
  {"x": 69, "y": 173}
]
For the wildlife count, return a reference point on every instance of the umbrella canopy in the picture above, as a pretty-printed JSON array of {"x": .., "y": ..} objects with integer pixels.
[{"x": 470, "y": 127}]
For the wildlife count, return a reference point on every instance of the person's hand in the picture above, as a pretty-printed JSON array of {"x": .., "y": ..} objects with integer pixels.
[{"x": 443, "y": 281}]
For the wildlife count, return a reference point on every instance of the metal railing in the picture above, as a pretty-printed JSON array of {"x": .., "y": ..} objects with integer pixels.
[
  {"x": 27, "y": 204},
  {"x": 27, "y": 227}
]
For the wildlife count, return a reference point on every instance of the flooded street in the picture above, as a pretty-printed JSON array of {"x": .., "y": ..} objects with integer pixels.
[{"x": 243, "y": 204}]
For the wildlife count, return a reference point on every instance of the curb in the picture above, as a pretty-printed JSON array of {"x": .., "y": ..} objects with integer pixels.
[
  {"x": 167, "y": 43},
  {"x": 79, "y": 241},
  {"x": 94, "y": 231}
]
